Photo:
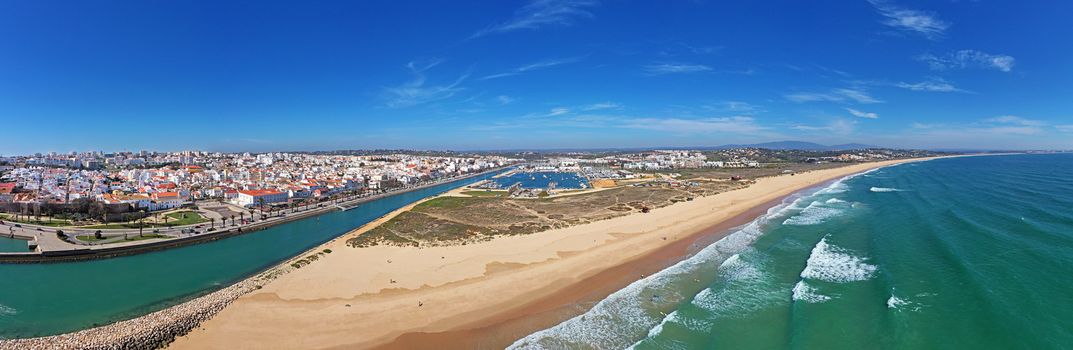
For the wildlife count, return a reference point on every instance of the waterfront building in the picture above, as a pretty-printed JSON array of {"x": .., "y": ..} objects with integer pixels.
[{"x": 252, "y": 198}]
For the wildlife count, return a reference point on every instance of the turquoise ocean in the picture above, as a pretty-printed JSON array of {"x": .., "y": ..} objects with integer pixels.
[{"x": 955, "y": 253}]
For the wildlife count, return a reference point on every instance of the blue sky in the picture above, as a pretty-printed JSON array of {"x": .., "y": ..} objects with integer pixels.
[{"x": 314, "y": 75}]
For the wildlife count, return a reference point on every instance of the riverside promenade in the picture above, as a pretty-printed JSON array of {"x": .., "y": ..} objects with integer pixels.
[{"x": 51, "y": 248}]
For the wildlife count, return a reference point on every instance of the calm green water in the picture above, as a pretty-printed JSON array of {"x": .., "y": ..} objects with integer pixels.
[
  {"x": 13, "y": 245},
  {"x": 44, "y": 299},
  {"x": 963, "y": 253}
]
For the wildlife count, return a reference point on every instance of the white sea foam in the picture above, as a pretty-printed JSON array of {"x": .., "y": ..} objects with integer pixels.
[
  {"x": 807, "y": 293},
  {"x": 884, "y": 189},
  {"x": 837, "y": 187},
  {"x": 746, "y": 288},
  {"x": 833, "y": 264},
  {"x": 7, "y": 310},
  {"x": 894, "y": 302},
  {"x": 626, "y": 315},
  {"x": 834, "y": 201},
  {"x": 813, "y": 214}
]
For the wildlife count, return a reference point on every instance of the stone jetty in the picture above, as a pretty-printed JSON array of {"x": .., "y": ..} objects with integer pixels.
[{"x": 152, "y": 331}]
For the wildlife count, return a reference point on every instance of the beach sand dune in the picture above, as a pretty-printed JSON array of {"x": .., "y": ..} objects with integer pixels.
[{"x": 477, "y": 295}]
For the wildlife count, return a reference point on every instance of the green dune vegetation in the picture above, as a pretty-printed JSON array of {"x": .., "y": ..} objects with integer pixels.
[{"x": 450, "y": 220}]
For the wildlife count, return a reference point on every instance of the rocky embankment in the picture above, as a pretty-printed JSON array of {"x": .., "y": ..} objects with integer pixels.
[{"x": 147, "y": 332}]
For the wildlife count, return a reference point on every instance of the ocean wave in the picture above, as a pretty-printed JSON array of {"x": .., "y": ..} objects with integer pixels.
[
  {"x": 833, "y": 264},
  {"x": 746, "y": 288},
  {"x": 894, "y": 302},
  {"x": 884, "y": 189},
  {"x": 840, "y": 186},
  {"x": 834, "y": 201},
  {"x": 627, "y": 315},
  {"x": 804, "y": 292},
  {"x": 7, "y": 310},
  {"x": 837, "y": 187},
  {"x": 813, "y": 214}
]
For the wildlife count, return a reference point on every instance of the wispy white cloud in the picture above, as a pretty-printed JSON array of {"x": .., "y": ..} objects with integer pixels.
[
  {"x": 931, "y": 85},
  {"x": 735, "y": 107},
  {"x": 417, "y": 92},
  {"x": 1005, "y": 126},
  {"x": 735, "y": 125},
  {"x": 1008, "y": 125},
  {"x": 1011, "y": 132},
  {"x": 675, "y": 68},
  {"x": 968, "y": 59},
  {"x": 601, "y": 106},
  {"x": 918, "y": 125},
  {"x": 837, "y": 126},
  {"x": 504, "y": 99},
  {"x": 558, "y": 111},
  {"x": 860, "y": 114},
  {"x": 542, "y": 13},
  {"x": 1064, "y": 127},
  {"x": 914, "y": 21},
  {"x": 835, "y": 95},
  {"x": 533, "y": 66},
  {"x": 588, "y": 117},
  {"x": 1015, "y": 120}
]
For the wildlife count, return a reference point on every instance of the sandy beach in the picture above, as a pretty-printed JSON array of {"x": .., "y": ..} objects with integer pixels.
[{"x": 480, "y": 295}]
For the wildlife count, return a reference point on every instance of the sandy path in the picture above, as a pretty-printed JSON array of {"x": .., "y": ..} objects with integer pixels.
[{"x": 364, "y": 297}]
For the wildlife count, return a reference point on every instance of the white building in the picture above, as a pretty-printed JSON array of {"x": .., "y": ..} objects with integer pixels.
[{"x": 252, "y": 198}]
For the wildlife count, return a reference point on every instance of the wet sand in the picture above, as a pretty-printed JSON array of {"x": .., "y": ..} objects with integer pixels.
[{"x": 482, "y": 295}]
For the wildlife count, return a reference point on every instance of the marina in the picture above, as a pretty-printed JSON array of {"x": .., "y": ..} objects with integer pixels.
[{"x": 543, "y": 180}]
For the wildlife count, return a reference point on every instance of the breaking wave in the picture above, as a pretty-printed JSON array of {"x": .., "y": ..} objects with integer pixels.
[
  {"x": 894, "y": 302},
  {"x": 627, "y": 315},
  {"x": 632, "y": 311},
  {"x": 814, "y": 213},
  {"x": 804, "y": 292},
  {"x": 884, "y": 189},
  {"x": 833, "y": 264}
]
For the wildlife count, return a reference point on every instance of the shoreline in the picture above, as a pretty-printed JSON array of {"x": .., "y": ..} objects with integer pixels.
[
  {"x": 504, "y": 328},
  {"x": 335, "y": 305},
  {"x": 469, "y": 324}
]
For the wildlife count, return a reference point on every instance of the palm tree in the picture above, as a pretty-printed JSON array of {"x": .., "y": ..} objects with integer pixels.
[
  {"x": 232, "y": 219},
  {"x": 212, "y": 223}
]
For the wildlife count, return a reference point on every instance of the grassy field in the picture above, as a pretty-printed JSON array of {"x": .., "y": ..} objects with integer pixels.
[{"x": 185, "y": 218}]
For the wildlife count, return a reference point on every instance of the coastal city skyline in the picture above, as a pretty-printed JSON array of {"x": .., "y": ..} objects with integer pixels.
[{"x": 547, "y": 74}]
